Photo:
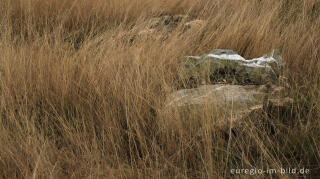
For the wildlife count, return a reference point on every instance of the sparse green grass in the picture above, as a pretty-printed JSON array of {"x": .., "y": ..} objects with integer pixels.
[{"x": 77, "y": 102}]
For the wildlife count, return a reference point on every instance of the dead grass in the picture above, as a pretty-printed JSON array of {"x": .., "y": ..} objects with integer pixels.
[{"x": 76, "y": 101}]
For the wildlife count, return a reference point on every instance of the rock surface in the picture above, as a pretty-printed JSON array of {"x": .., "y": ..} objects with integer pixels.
[
  {"x": 231, "y": 103},
  {"x": 229, "y": 67}
]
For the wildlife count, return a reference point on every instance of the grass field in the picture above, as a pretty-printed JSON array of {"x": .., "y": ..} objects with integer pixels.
[{"x": 80, "y": 100}]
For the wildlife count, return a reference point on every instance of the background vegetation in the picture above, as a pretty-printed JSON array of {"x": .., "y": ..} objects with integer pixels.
[{"x": 76, "y": 101}]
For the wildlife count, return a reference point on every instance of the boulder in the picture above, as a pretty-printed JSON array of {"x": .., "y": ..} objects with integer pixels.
[
  {"x": 228, "y": 67},
  {"x": 230, "y": 103}
]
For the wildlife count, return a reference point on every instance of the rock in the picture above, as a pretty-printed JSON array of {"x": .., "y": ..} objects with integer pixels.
[
  {"x": 227, "y": 103},
  {"x": 219, "y": 94},
  {"x": 229, "y": 67}
]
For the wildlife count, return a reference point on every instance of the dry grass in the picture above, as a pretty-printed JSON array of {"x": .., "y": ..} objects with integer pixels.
[{"x": 78, "y": 102}]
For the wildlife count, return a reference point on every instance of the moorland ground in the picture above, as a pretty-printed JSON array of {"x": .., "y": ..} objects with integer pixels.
[{"x": 78, "y": 99}]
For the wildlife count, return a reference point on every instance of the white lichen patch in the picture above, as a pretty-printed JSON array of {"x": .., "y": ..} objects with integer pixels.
[
  {"x": 227, "y": 56},
  {"x": 262, "y": 62}
]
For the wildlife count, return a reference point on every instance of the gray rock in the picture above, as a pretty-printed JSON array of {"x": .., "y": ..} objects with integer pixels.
[
  {"x": 229, "y": 67},
  {"x": 227, "y": 103}
]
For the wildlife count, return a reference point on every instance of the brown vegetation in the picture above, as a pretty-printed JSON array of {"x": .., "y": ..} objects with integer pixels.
[{"x": 80, "y": 98}]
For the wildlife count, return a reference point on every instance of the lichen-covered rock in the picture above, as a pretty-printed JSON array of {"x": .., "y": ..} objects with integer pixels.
[
  {"x": 221, "y": 95},
  {"x": 229, "y": 67},
  {"x": 231, "y": 101},
  {"x": 227, "y": 103}
]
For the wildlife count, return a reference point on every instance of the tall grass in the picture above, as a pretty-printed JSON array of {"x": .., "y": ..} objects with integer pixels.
[{"x": 79, "y": 98}]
